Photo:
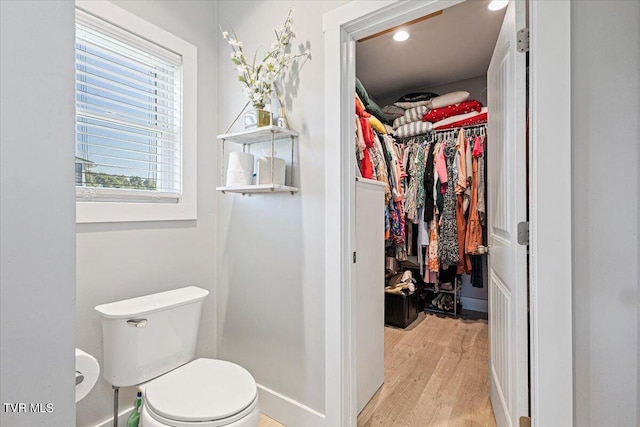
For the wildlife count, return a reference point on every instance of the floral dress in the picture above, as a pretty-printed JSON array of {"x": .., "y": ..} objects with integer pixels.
[{"x": 448, "y": 250}]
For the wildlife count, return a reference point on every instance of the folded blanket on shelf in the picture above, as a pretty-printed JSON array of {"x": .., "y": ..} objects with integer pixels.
[
  {"x": 438, "y": 114},
  {"x": 393, "y": 112},
  {"x": 448, "y": 99},
  {"x": 462, "y": 120},
  {"x": 411, "y": 115},
  {"x": 416, "y": 99},
  {"x": 413, "y": 129}
]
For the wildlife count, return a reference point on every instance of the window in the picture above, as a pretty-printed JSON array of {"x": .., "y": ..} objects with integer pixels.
[{"x": 135, "y": 118}]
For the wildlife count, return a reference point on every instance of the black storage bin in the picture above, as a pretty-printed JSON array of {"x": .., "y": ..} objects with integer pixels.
[{"x": 400, "y": 310}]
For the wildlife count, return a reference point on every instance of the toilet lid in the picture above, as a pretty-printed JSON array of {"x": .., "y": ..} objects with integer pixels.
[{"x": 202, "y": 390}]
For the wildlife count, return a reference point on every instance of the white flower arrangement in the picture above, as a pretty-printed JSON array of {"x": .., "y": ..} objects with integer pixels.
[{"x": 259, "y": 78}]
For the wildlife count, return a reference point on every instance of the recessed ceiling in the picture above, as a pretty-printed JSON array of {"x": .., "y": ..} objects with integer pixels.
[{"x": 455, "y": 45}]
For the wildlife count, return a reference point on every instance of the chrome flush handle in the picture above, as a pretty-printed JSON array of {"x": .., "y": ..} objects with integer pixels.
[
  {"x": 138, "y": 323},
  {"x": 79, "y": 377}
]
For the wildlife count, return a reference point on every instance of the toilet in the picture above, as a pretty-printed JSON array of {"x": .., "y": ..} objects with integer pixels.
[{"x": 150, "y": 342}]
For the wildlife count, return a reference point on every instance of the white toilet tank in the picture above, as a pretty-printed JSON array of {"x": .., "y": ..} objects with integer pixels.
[{"x": 148, "y": 336}]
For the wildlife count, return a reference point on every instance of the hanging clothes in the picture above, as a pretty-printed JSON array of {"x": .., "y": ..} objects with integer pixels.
[
  {"x": 392, "y": 167},
  {"x": 410, "y": 201},
  {"x": 364, "y": 159},
  {"x": 448, "y": 239},
  {"x": 420, "y": 191},
  {"x": 474, "y": 228},
  {"x": 477, "y": 271},
  {"x": 433, "y": 260},
  {"x": 468, "y": 157},
  {"x": 397, "y": 223},
  {"x": 414, "y": 196},
  {"x": 441, "y": 165},
  {"x": 464, "y": 264},
  {"x": 423, "y": 239},
  {"x": 428, "y": 179},
  {"x": 481, "y": 180},
  {"x": 380, "y": 166},
  {"x": 367, "y": 133},
  {"x": 461, "y": 181}
]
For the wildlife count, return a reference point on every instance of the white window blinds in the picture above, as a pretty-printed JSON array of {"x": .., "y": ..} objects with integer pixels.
[{"x": 128, "y": 115}]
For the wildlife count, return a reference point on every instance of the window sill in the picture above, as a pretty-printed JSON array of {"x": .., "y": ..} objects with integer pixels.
[{"x": 103, "y": 206}]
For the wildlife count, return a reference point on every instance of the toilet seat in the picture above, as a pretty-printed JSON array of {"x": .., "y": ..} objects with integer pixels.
[
  {"x": 203, "y": 393},
  {"x": 247, "y": 418}
]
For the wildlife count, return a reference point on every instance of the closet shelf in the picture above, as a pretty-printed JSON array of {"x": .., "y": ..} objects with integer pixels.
[
  {"x": 260, "y": 134},
  {"x": 258, "y": 188},
  {"x": 455, "y": 292},
  {"x": 440, "y": 291},
  {"x": 410, "y": 262}
]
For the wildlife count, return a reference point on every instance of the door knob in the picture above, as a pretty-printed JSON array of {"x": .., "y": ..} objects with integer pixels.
[{"x": 483, "y": 249}]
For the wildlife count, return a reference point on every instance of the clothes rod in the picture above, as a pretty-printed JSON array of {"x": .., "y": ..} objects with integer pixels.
[{"x": 460, "y": 127}]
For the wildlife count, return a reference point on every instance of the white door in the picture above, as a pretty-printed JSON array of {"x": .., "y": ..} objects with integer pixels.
[
  {"x": 506, "y": 206},
  {"x": 369, "y": 291}
]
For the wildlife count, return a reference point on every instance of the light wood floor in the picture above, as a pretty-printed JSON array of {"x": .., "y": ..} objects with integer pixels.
[
  {"x": 268, "y": 422},
  {"x": 436, "y": 375}
]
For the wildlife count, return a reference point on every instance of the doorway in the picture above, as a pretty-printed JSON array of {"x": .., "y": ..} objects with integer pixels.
[
  {"x": 435, "y": 365},
  {"x": 549, "y": 118}
]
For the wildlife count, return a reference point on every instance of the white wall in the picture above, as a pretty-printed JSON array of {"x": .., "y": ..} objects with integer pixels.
[
  {"x": 117, "y": 261},
  {"x": 37, "y": 211},
  {"x": 605, "y": 87},
  {"x": 271, "y": 247}
]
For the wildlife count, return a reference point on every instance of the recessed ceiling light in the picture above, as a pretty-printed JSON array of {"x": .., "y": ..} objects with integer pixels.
[
  {"x": 498, "y": 4},
  {"x": 400, "y": 36}
]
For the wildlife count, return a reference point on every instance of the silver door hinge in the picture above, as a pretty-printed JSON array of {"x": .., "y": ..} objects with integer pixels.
[
  {"x": 523, "y": 40},
  {"x": 354, "y": 257},
  {"x": 525, "y": 422},
  {"x": 523, "y": 233}
]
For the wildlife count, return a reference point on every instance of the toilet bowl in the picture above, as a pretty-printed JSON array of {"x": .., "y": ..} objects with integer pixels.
[
  {"x": 202, "y": 393},
  {"x": 150, "y": 342}
]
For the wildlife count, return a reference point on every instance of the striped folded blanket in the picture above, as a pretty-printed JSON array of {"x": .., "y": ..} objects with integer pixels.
[
  {"x": 411, "y": 115},
  {"x": 413, "y": 129}
]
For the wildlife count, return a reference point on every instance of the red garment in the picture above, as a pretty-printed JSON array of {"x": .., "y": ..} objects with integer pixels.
[
  {"x": 475, "y": 120},
  {"x": 366, "y": 165},
  {"x": 477, "y": 147},
  {"x": 438, "y": 114},
  {"x": 367, "y": 132},
  {"x": 360, "y": 109}
]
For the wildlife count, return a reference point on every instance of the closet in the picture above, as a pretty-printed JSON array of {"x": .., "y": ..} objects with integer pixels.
[
  {"x": 426, "y": 143},
  {"x": 431, "y": 162}
]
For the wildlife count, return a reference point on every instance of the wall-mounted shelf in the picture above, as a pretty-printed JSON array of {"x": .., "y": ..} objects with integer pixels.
[
  {"x": 269, "y": 133},
  {"x": 261, "y": 134},
  {"x": 259, "y": 188}
]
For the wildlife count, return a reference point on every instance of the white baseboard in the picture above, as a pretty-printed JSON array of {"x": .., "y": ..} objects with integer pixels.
[
  {"x": 475, "y": 304},
  {"x": 273, "y": 404},
  {"x": 123, "y": 416},
  {"x": 288, "y": 411}
]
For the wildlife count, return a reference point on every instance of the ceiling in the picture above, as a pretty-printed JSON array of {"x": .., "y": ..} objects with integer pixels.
[{"x": 455, "y": 45}]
